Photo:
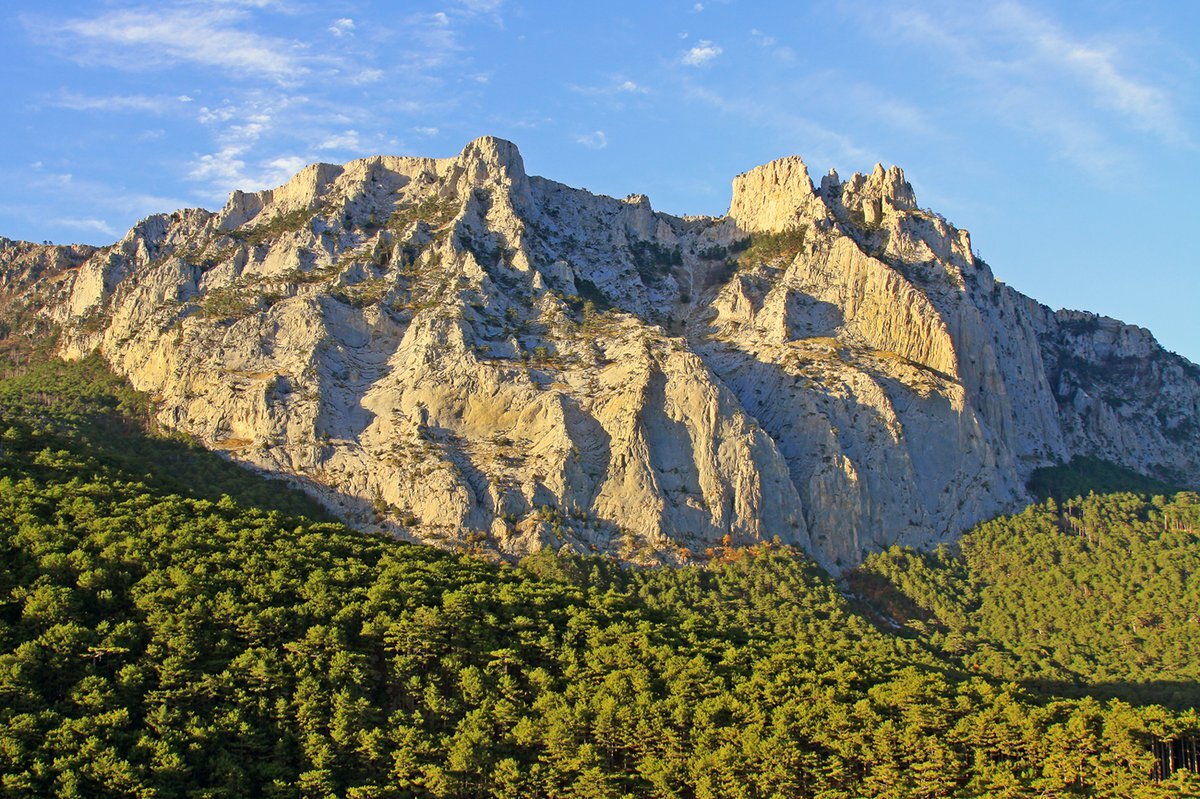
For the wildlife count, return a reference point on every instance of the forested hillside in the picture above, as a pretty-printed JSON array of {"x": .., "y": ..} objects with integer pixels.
[
  {"x": 1100, "y": 593},
  {"x": 170, "y": 626}
]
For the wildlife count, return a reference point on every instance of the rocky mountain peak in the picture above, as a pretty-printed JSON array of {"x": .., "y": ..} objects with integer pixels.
[
  {"x": 776, "y": 196},
  {"x": 489, "y": 161},
  {"x": 868, "y": 198},
  {"x": 780, "y": 196},
  {"x": 495, "y": 158},
  {"x": 459, "y": 353}
]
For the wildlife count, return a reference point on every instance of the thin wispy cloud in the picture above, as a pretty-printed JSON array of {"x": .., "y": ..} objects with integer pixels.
[
  {"x": 617, "y": 87},
  {"x": 703, "y": 53},
  {"x": 781, "y": 52},
  {"x": 230, "y": 168},
  {"x": 595, "y": 140},
  {"x": 141, "y": 38},
  {"x": 116, "y": 201},
  {"x": 1099, "y": 67},
  {"x": 342, "y": 27},
  {"x": 816, "y": 141},
  {"x": 88, "y": 225},
  {"x": 238, "y": 161},
  {"x": 345, "y": 141},
  {"x": 262, "y": 140},
  {"x": 365, "y": 76},
  {"x": 482, "y": 6},
  {"x": 1027, "y": 70},
  {"x": 137, "y": 103},
  {"x": 433, "y": 42},
  {"x": 275, "y": 5}
]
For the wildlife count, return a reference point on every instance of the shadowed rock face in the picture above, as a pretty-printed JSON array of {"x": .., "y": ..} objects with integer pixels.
[{"x": 463, "y": 354}]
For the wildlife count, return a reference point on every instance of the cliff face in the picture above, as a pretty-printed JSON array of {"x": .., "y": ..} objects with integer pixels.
[{"x": 463, "y": 354}]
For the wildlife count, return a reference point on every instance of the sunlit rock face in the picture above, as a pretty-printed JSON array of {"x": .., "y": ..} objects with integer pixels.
[{"x": 462, "y": 354}]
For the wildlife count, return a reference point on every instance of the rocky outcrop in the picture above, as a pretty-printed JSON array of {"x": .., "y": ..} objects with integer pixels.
[{"x": 463, "y": 354}]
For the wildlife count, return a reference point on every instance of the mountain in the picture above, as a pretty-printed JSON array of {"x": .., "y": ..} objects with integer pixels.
[{"x": 459, "y": 353}]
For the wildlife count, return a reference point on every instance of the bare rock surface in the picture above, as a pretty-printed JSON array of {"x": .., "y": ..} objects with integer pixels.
[{"x": 465, "y": 355}]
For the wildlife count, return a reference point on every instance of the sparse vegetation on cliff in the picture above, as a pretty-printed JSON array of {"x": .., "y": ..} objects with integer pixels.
[{"x": 276, "y": 226}]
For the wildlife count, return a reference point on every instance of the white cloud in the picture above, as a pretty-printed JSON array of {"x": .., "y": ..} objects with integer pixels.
[
  {"x": 93, "y": 225},
  {"x": 425, "y": 131},
  {"x": 1024, "y": 69},
  {"x": 618, "y": 87},
  {"x": 52, "y": 180},
  {"x": 280, "y": 170},
  {"x": 817, "y": 142},
  {"x": 704, "y": 52},
  {"x": 595, "y": 140},
  {"x": 762, "y": 38},
  {"x": 482, "y": 6},
  {"x": 342, "y": 27},
  {"x": 769, "y": 43},
  {"x": 115, "y": 103},
  {"x": 367, "y": 76},
  {"x": 227, "y": 169},
  {"x": 440, "y": 18},
  {"x": 1096, "y": 66},
  {"x": 278, "y": 5},
  {"x": 224, "y": 166},
  {"x": 146, "y": 37},
  {"x": 697, "y": 8},
  {"x": 208, "y": 115},
  {"x": 239, "y": 132},
  {"x": 347, "y": 140}
]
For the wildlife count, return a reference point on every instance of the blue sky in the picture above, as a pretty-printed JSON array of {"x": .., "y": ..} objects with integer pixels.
[{"x": 1063, "y": 135}]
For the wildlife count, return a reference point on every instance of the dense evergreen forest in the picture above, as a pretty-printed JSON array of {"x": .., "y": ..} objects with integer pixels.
[{"x": 174, "y": 626}]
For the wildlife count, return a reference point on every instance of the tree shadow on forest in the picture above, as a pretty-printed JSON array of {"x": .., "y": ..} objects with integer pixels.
[
  {"x": 112, "y": 438},
  {"x": 1178, "y": 695}
]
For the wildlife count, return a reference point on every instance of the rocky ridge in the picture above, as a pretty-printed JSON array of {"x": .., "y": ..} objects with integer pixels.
[{"x": 466, "y": 355}]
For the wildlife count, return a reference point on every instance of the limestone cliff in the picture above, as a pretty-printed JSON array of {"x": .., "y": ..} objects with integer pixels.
[{"x": 463, "y": 354}]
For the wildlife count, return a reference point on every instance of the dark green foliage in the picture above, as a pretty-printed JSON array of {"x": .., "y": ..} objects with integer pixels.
[
  {"x": 741, "y": 245},
  {"x": 1099, "y": 595},
  {"x": 82, "y": 407},
  {"x": 363, "y": 293},
  {"x": 275, "y": 227},
  {"x": 1084, "y": 474},
  {"x": 592, "y": 293},
  {"x": 232, "y": 302},
  {"x": 653, "y": 260},
  {"x": 720, "y": 274},
  {"x": 432, "y": 210},
  {"x": 488, "y": 252},
  {"x": 753, "y": 251},
  {"x": 159, "y": 644},
  {"x": 765, "y": 248}
]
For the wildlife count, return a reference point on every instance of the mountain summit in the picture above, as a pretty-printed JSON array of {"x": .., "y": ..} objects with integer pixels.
[{"x": 463, "y": 354}]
